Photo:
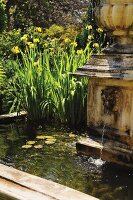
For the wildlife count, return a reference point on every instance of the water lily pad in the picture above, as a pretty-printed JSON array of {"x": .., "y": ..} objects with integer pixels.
[
  {"x": 40, "y": 137},
  {"x": 38, "y": 146},
  {"x": 71, "y": 135},
  {"x": 48, "y": 137},
  {"x": 50, "y": 141},
  {"x": 30, "y": 142},
  {"x": 27, "y": 146}
]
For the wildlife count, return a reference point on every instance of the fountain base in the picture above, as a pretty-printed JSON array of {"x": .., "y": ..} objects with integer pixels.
[
  {"x": 110, "y": 104},
  {"x": 111, "y": 151}
]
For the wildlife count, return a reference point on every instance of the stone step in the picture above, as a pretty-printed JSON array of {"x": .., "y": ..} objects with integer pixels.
[
  {"x": 110, "y": 151},
  {"x": 89, "y": 147}
]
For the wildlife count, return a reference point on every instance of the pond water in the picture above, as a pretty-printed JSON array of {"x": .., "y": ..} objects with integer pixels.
[{"x": 52, "y": 155}]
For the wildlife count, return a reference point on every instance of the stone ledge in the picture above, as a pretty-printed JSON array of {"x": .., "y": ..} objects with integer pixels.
[
  {"x": 12, "y": 181},
  {"x": 110, "y": 151},
  {"x": 112, "y": 66},
  {"x": 12, "y": 116}
]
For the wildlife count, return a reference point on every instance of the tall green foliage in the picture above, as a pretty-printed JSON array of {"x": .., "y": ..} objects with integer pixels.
[
  {"x": 2, "y": 75},
  {"x": 45, "y": 87}
]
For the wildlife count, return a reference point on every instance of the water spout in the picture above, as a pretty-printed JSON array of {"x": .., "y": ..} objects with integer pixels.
[{"x": 102, "y": 141}]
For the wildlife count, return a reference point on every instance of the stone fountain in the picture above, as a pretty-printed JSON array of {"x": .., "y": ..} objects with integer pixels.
[{"x": 110, "y": 88}]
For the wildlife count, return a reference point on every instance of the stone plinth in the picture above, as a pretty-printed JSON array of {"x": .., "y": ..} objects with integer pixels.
[{"x": 110, "y": 101}]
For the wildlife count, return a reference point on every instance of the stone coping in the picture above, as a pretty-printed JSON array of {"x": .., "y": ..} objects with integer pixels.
[
  {"x": 119, "y": 66},
  {"x": 111, "y": 151},
  {"x": 12, "y": 116},
  {"x": 24, "y": 186}
]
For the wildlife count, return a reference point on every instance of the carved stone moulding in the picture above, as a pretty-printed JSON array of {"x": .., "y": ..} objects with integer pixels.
[
  {"x": 116, "y": 16},
  {"x": 112, "y": 66}
]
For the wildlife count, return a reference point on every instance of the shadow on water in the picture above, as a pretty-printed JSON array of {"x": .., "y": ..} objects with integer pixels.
[{"x": 60, "y": 162}]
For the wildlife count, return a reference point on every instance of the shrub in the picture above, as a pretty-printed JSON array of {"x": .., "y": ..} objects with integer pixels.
[
  {"x": 3, "y": 17},
  {"x": 7, "y": 41}
]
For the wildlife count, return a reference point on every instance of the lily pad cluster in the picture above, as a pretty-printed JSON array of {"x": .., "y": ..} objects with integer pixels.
[
  {"x": 47, "y": 140},
  {"x": 42, "y": 139}
]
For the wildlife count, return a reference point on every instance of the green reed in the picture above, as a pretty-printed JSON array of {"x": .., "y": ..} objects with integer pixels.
[
  {"x": 2, "y": 75},
  {"x": 44, "y": 86}
]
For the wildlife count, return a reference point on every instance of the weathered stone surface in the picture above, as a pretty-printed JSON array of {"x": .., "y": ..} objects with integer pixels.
[
  {"x": 12, "y": 181},
  {"x": 117, "y": 16},
  {"x": 110, "y": 102},
  {"x": 89, "y": 147},
  {"x": 114, "y": 66},
  {"x": 17, "y": 192},
  {"x": 110, "y": 150},
  {"x": 110, "y": 91},
  {"x": 12, "y": 116}
]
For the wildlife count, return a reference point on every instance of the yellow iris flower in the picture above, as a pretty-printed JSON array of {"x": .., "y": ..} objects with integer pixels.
[{"x": 15, "y": 50}]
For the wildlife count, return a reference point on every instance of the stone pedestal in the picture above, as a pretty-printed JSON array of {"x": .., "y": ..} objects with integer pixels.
[
  {"x": 110, "y": 104},
  {"x": 110, "y": 88}
]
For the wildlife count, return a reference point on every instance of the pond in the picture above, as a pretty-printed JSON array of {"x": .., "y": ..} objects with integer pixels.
[{"x": 50, "y": 153}]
